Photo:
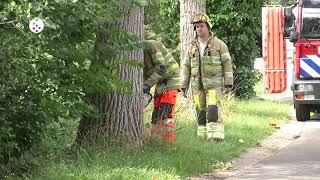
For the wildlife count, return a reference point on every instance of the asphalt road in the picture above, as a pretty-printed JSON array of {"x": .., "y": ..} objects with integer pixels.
[{"x": 299, "y": 160}]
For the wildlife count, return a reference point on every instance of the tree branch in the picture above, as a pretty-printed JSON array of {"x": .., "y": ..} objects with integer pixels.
[{"x": 8, "y": 22}]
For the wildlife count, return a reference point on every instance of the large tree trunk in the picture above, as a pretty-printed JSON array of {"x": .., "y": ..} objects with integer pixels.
[
  {"x": 188, "y": 8},
  {"x": 121, "y": 119}
]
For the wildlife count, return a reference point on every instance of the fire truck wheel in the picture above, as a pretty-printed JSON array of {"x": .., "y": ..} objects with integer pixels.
[{"x": 302, "y": 112}]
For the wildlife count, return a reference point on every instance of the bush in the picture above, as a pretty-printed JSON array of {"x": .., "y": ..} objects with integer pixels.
[
  {"x": 238, "y": 24},
  {"x": 162, "y": 23},
  {"x": 44, "y": 77}
]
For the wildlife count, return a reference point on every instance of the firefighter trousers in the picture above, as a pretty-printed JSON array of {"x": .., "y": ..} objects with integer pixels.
[
  {"x": 162, "y": 120},
  {"x": 207, "y": 104}
]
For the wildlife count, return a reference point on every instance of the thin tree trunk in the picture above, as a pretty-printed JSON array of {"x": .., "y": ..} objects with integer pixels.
[
  {"x": 122, "y": 115},
  {"x": 188, "y": 8}
]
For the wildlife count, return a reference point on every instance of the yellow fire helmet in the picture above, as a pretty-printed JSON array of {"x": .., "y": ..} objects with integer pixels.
[{"x": 201, "y": 17}]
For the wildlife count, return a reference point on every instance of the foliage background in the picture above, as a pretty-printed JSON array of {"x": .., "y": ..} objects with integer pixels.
[
  {"x": 44, "y": 77},
  {"x": 237, "y": 23}
]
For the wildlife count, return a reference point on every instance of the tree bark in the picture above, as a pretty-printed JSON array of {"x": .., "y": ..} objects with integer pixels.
[
  {"x": 121, "y": 119},
  {"x": 188, "y": 8}
]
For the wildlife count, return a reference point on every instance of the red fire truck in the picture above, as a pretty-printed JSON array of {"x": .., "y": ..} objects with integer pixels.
[{"x": 302, "y": 26}]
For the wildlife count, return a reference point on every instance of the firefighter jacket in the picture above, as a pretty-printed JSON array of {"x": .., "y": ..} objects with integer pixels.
[
  {"x": 212, "y": 70},
  {"x": 160, "y": 68}
]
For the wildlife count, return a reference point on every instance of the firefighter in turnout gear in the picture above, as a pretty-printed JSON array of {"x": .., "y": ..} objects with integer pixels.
[
  {"x": 208, "y": 69},
  {"x": 162, "y": 71}
]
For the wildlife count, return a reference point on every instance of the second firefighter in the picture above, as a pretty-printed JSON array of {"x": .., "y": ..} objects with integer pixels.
[{"x": 208, "y": 69}]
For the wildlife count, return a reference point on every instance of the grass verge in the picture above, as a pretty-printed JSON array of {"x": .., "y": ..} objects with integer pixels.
[{"x": 250, "y": 121}]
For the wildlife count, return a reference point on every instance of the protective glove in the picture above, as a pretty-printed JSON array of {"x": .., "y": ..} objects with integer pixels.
[{"x": 146, "y": 89}]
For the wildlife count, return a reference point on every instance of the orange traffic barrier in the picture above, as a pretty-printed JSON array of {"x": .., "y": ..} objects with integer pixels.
[{"x": 275, "y": 77}]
